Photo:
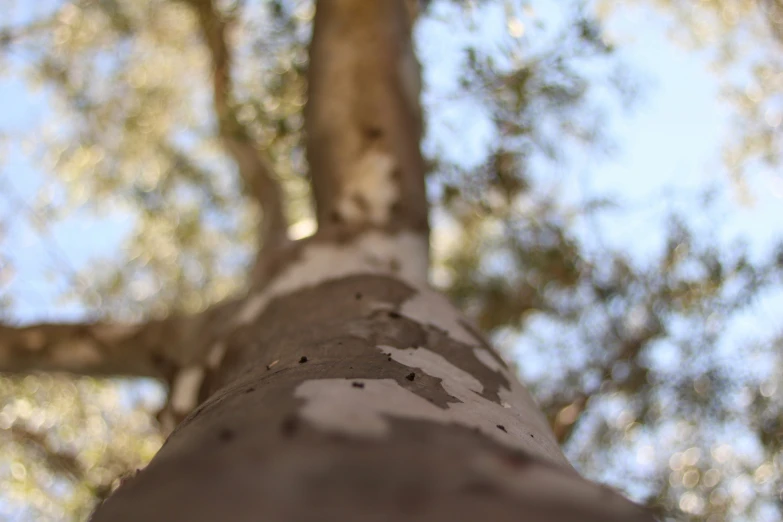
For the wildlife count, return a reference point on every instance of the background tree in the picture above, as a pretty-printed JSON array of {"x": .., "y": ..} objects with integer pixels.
[{"x": 132, "y": 135}]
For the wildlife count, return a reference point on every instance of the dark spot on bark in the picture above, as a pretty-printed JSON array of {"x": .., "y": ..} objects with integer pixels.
[
  {"x": 373, "y": 133},
  {"x": 531, "y": 436},
  {"x": 303, "y": 359},
  {"x": 289, "y": 426},
  {"x": 358, "y": 295},
  {"x": 225, "y": 435},
  {"x": 357, "y": 384},
  {"x": 410, "y": 376},
  {"x": 394, "y": 315},
  {"x": 389, "y": 358},
  {"x": 502, "y": 428},
  {"x": 335, "y": 217},
  {"x": 251, "y": 389}
]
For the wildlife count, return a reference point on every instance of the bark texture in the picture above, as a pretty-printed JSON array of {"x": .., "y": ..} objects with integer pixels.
[
  {"x": 363, "y": 120},
  {"x": 338, "y": 403}
]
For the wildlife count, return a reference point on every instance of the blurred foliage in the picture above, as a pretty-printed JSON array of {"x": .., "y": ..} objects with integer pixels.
[
  {"x": 640, "y": 371},
  {"x": 67, "y": 441}
]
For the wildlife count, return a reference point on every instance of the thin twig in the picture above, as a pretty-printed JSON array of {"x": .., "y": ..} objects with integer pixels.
[{"x": 254, "y": 168}]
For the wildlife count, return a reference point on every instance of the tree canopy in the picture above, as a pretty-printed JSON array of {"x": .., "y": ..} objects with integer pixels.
[{"x": 636, "y": 360}]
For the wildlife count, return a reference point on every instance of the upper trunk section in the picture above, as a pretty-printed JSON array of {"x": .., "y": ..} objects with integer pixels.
[{"x": 363, "y": 118}]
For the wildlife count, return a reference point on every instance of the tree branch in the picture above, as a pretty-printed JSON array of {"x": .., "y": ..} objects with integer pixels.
[
  {"x": 86, "y": 349},
  {"x": 182, "y": 351},
  {"x": 254, "y": 168},
  {"x": 363, "y": 119},
  {"x": 157, "y": 348}
]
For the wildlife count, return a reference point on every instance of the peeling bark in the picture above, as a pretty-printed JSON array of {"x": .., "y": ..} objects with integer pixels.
[{"x": 337, "y": 430}]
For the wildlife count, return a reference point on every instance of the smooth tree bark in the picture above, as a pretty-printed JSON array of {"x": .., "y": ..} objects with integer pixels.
[{"x": 342, "y": 386}]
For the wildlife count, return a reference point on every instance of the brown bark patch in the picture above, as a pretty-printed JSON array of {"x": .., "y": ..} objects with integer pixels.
[{"x": 423, "y": 472}]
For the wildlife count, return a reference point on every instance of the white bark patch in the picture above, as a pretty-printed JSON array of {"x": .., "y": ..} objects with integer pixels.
[
  {"x": 337, "y": 405},
  {"x": 456, "y": 381},
  {"x": 430, "y": 307},
  {"x": 517, "y": 412},
  {"x": 77, "y": 353},
  {"x": 184, "y": 390},
  {"x": 403, "y": 255},
  {"x": 370, "y": 189}
]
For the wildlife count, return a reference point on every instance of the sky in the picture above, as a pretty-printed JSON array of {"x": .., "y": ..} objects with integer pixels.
[{"x": 669, "y": 142}]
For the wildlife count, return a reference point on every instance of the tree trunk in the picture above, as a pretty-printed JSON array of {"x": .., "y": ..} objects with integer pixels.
[
  {"x": 362, "y": 398},
  {"x": 342, "y": 387}
]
